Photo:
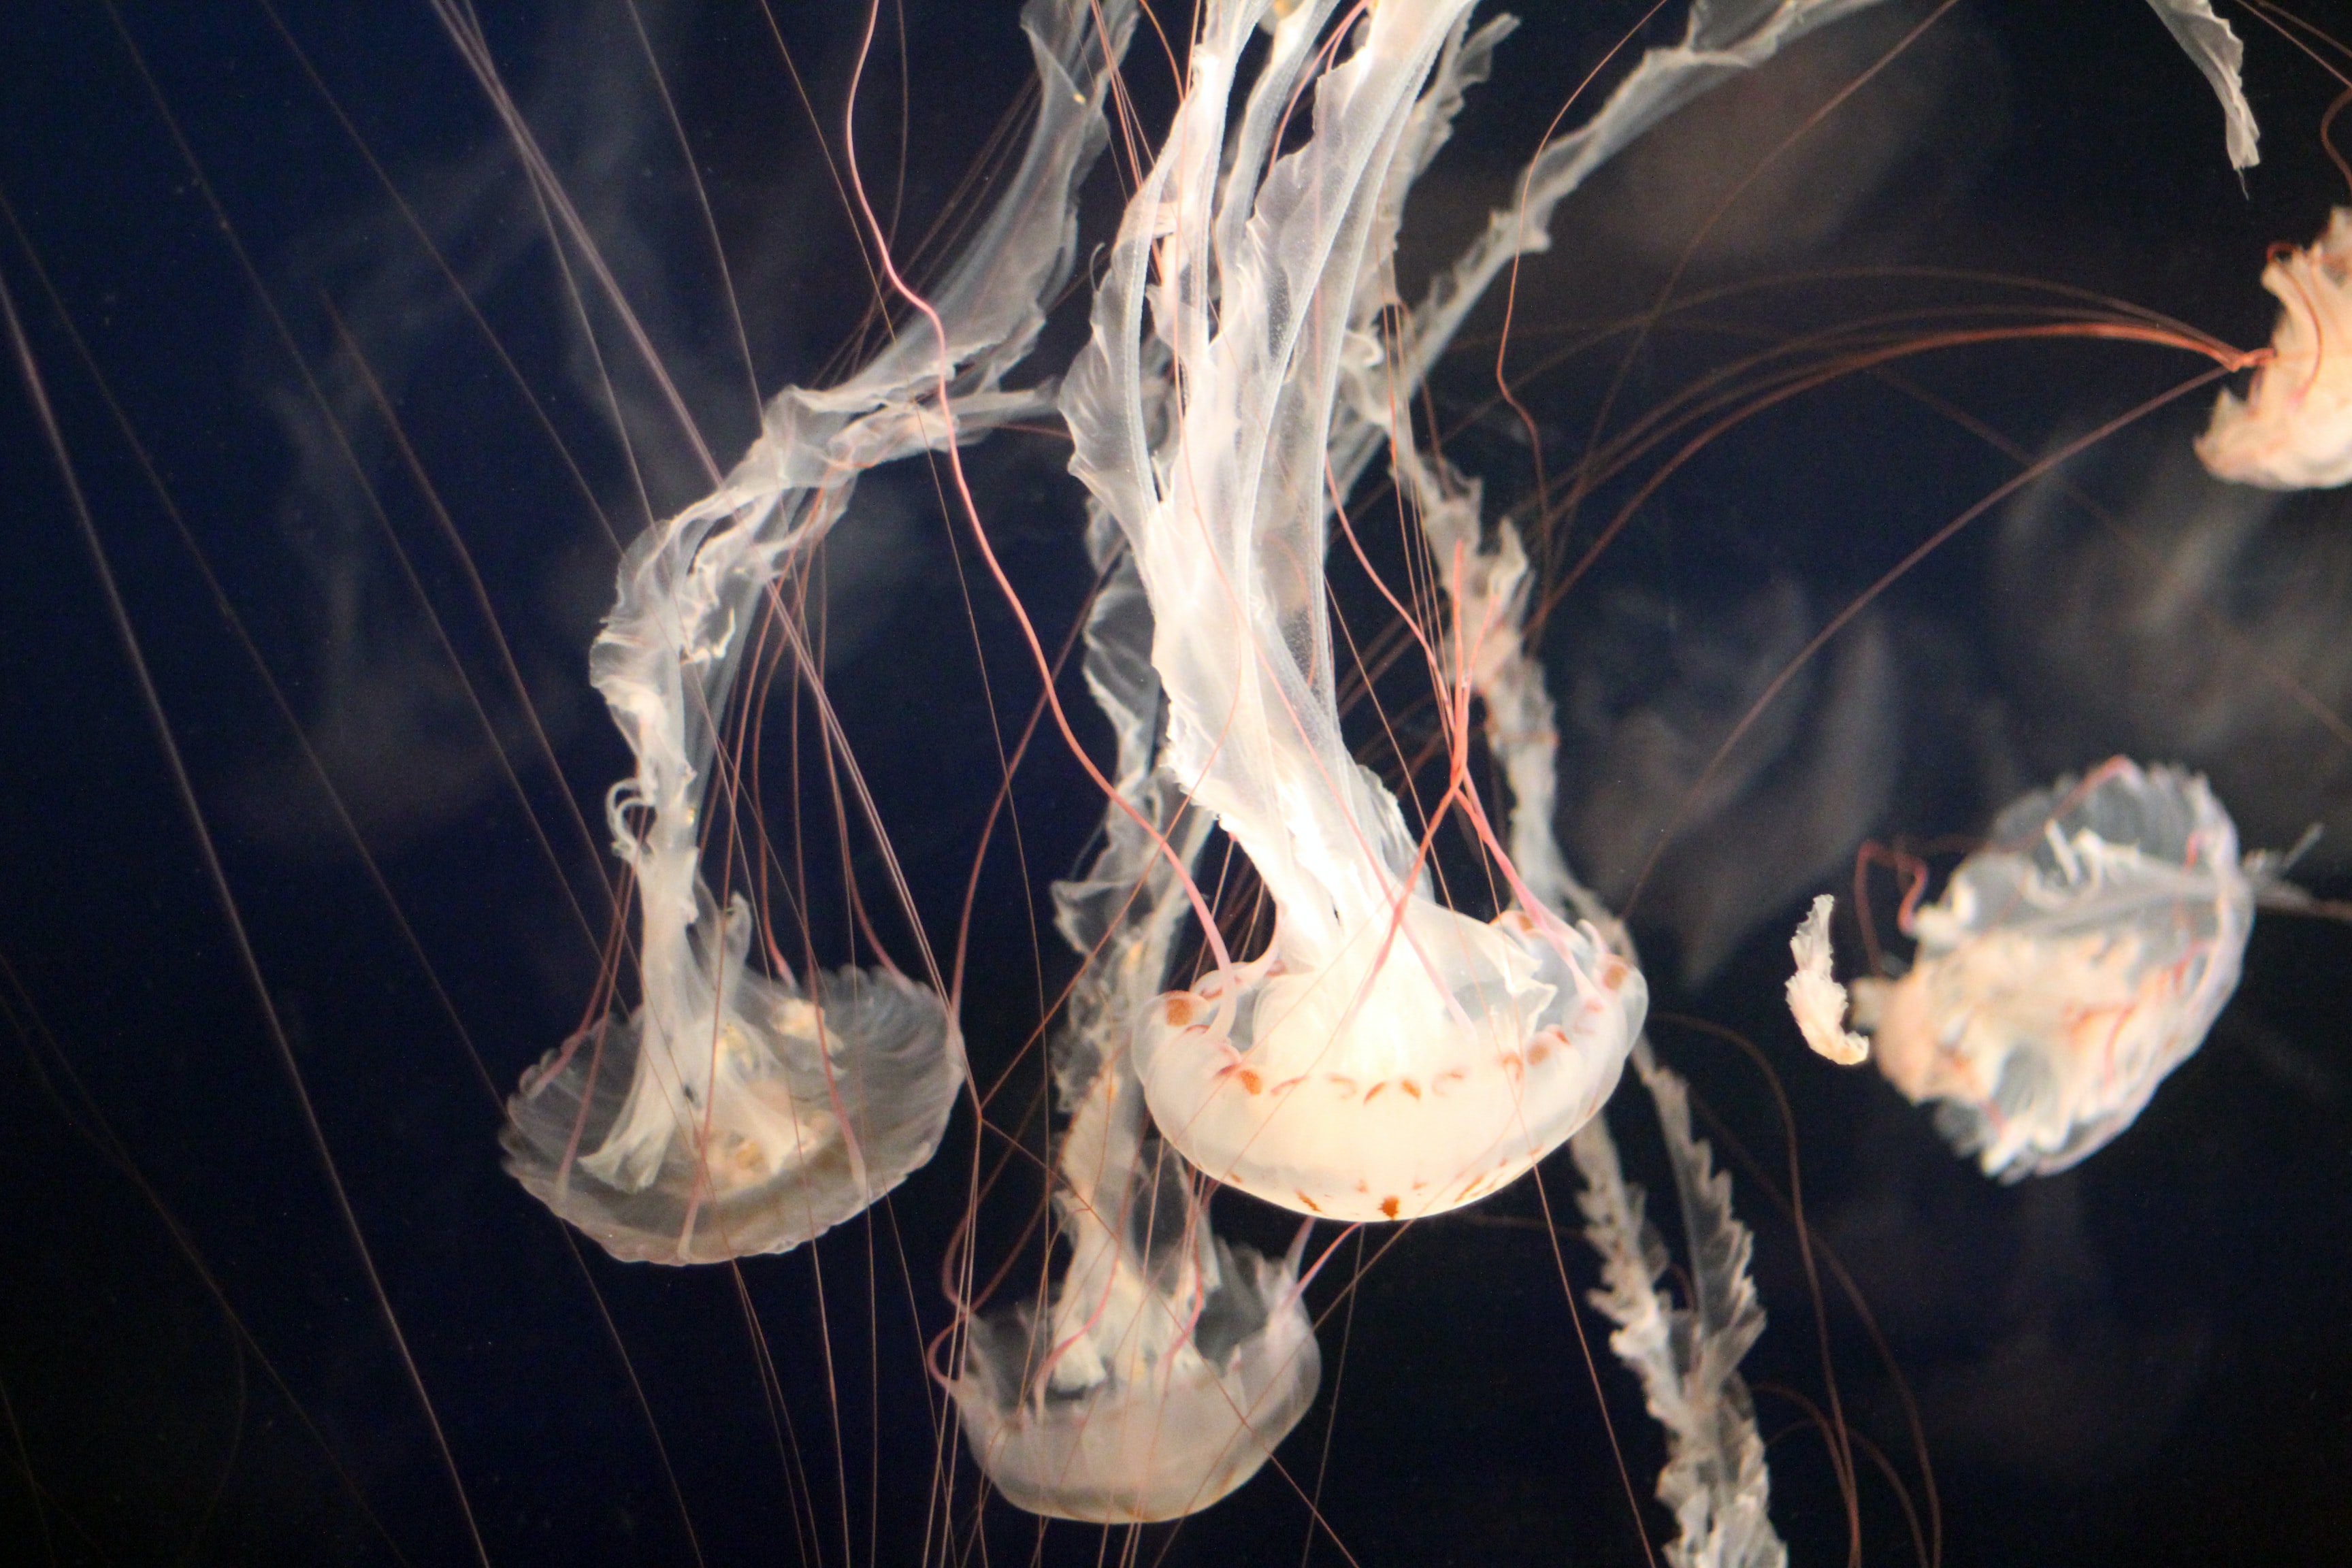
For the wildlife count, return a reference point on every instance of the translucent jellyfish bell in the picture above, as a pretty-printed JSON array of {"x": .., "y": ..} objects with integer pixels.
[
  {"x": 751, "y": 1119},
  {"x": 2068, "y": 967},
  {"x": 2293, "y": 429},
  {"x": 1169, "y": 1365},
  {"x": 1409, "y": 1071},
  {"x": 1388, "y": 1058}
]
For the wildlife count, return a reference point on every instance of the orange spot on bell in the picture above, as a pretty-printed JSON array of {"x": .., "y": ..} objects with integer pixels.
[
  {"x": 1179, "y": 1010},
  {"x": 1389, "y": 1207},
  {"x": 1251, "y": 1081}
]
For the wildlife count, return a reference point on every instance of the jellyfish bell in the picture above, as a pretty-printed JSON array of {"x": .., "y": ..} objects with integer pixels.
[
  {"x": 2068, "y": 968},
  {"x": 746, "y": 1117},
  {"x": 2293, "y": 428},
  {"x": 1167, "y": 1365},
  {"x": 1428, "y": 1062}
]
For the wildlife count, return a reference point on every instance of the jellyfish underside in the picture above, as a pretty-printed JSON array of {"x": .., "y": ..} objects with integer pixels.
[
  {"x": 749, "y": 1121},
  {"x": 2068, "y": 968}
]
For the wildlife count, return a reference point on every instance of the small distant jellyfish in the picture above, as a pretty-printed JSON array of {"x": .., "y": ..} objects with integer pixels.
[
  {"x": 1817, "y": 1000},
  {"x": 2070, "y": 965},
  {"x": 2293, "y": 429}
]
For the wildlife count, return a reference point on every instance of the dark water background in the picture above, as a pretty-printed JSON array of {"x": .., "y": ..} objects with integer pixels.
[{"x": 2143, "y": 1361}]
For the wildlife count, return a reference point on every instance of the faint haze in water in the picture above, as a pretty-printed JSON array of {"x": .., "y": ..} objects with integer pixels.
[{"x": 2135, "y": 1360}]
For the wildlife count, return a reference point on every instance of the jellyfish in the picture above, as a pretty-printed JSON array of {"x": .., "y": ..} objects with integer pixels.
[
  {"x": 764, "y": 1118},
  {"x": 1166, "y": 1365},
  {"x": 2292, "y": 430},
  {"x": 1169, "y": 1365},
  {"x": 731, "y": 1112},
  {"x": 1103, "y": 1406},
  {"x": 2070, "y": 965},
  {"x": 1388, "y": 1056}
]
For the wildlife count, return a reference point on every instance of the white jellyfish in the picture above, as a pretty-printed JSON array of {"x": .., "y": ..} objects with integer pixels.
[
  {"x": 1388, "y": 1056},
  {"x": 731, "y": 1112},
  {"x": 2069, "y": 966},
  {"x": 768, "y": 1119},
  {"x": 2293, "y": 429},
  {"x": 1166, "y": 1365}
]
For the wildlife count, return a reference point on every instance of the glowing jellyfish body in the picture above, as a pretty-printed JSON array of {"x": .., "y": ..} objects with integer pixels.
[
  {"x": 2068, "y": 967},
  {"x": 791, "y": 1111},
  {"x": 1169, "y": 1365},
  {"x": 1388, "y": 1058},
  {"x": 2293, "y": 428},
  {"x": 1394, "y": 1077},
  {"x": 1166, "y": 1365},
  {"x": 766, "y": 1120}
]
